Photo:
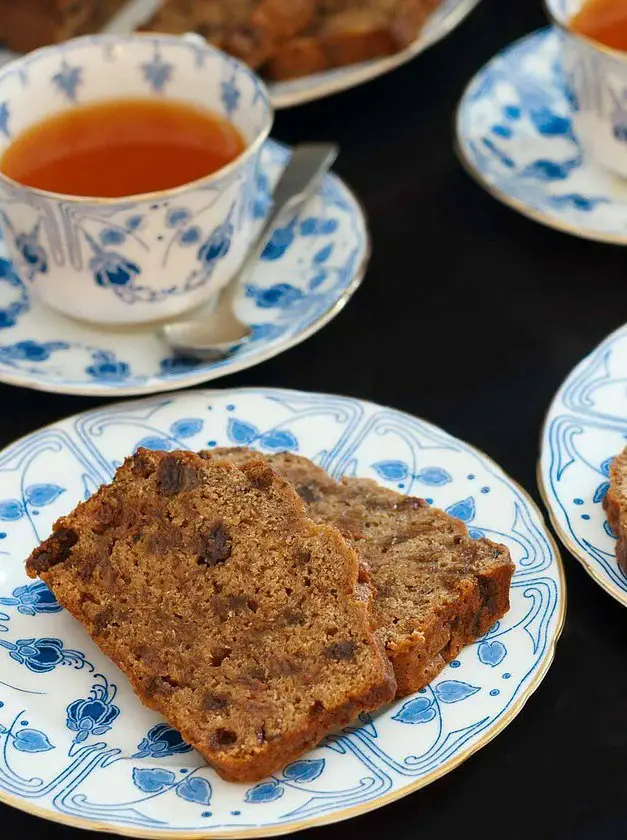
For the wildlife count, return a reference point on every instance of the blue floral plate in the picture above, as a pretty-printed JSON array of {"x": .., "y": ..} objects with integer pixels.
[
  {"x": 585, "y": 428},
  {"x": 77, "y": 747},
  {"x": 515, "y": 136},
  {"x": 309, "y": 270}
]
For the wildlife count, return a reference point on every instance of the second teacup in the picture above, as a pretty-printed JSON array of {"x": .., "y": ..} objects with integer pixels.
[{"x": 596, "y": 78}]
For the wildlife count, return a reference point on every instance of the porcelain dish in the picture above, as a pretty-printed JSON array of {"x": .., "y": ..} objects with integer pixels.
[{"x": 77, "y": 747}]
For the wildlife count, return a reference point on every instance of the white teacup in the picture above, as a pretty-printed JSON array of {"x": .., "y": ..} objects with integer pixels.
[
  {"x": 596, "y": 77},
  {"x": 147, "y": 257}
]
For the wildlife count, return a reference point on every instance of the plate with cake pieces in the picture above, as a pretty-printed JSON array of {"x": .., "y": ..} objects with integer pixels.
[
  {"x": 305, "y": 49},
  {"x": 583, "y": 465},
  {"x": 244, "y": 613}
]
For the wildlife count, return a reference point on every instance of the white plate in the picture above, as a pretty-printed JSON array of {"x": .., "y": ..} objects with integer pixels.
[
  {"x": 77, "y": 747},
  {"x": 287, "y": 94},
  {"x": 308, "y": 272},
  {"x": 515, "y": 136},
  {"x": 585, "y": 428}
]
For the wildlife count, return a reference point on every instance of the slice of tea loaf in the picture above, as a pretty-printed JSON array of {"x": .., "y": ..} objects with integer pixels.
[
  {"x": 615, "y": 504},
  {"x": 437, "y": 589},
  {"x": 348, "y": 32},
  {"x": 230, "y": 611},
  {"x": 29, "y": 24},
  {"x": 250, "y": 29}
]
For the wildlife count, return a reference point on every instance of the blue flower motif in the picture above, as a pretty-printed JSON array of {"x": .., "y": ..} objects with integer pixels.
[
  {"x": 323, "y": 254},
  {"x": 281, "y": 295},
  {"x": 605, "y": 466},
  {"x": 43, "y": 655},
  {"x": 601, "y": 492},
  {"x": 419, "y": 710},
  {"x": 10, "y": 313},
  {"x": 33, "y": 254},
  {"x": 177, "y": 364},
  {"x": 241, "y": 433},
  {"x": 159, "y": 444},
  {"x": 68, "y": 80},
  {"x": 134, "y": 222},
  {"x": 95, "y": 715},
  {"x": 31, "y": 741},
  {"x": 177, "y": 216},
  {"x": 187, "y": 427},
  {"x": 491, "y": 653},
  {"x": 305, "y": 770},
  {"x": 279, "y": 440},
  {"x": 11, "y": 510},
  {"x": 434, "y": 476},
  {"x": 464, "y": 510},
  {"x": 279, "y": 243},
  {"x": 112, "y": 236},
  {"x": 265, "y": 792},
  {"x": 111, "y": 269},
  {"x": 31, "y": 351},
  {"x": 161, "y": 742},
  {"x": 391, "y": 470},
  {"x": 313, "y": 226},
  {"x": 230, "y": 96},
  {"x": 152, "y": 779},
  {"x": 157, "y": 72},
  {"x": 4, "y": 119},
  {"x": 218, "y": 245},
  {"x": 190, "y": 236},
  {"x": 194, "y": 789},
  {"x": 453, "y": 691},
  {"x": 107, "y": 368},
  {"x": 32, "y": 599},
  {"x": 40, "y": 495}
]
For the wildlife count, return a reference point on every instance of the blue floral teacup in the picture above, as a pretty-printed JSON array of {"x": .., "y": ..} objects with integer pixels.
[
  {"x": 142, "y": 258},
  {"x": 596, "y": 82}
]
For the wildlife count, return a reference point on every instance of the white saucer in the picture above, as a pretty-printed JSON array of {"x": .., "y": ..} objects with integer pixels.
[
  {"x": 586, "y": 426},
  {"x": 76, "y": 745},
  {"x": 515, "y": 136},
  {"x": 308, "y": 272}
]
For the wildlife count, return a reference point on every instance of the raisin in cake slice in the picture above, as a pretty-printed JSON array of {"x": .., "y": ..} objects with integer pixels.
[
  {"x": 230, "y": 611},
  {"x": 437, "y": 589},
  {"x": 615, "y": 504}
]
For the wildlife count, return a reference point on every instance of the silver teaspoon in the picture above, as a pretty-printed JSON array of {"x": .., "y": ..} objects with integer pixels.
[{"x": 221, "y": 332}]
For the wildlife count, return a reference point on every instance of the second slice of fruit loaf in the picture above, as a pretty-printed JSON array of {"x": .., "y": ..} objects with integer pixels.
[{"x": 437, "y": 589}]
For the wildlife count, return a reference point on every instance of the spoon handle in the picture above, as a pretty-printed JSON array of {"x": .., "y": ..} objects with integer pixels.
[{"x": 301, "y": 178}]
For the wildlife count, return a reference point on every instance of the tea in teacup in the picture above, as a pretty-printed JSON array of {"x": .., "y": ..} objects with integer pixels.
[
  {"x": 604, "y": 21},
  {"x": 122, "y": 147}
]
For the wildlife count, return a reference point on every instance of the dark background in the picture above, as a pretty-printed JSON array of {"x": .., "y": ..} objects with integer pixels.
[{"x": 470, "y": 316}]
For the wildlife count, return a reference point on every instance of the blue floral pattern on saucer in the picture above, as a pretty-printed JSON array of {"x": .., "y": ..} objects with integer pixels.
[
  {"x": 75, "y": 743},
  {"x": 515, "y": 135},
  {"x": 586, "y": 427},
  {"x": 310, "y": 268}
]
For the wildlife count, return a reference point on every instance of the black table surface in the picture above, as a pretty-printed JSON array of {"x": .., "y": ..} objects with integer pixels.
[{"x": 470, "y": 316}]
